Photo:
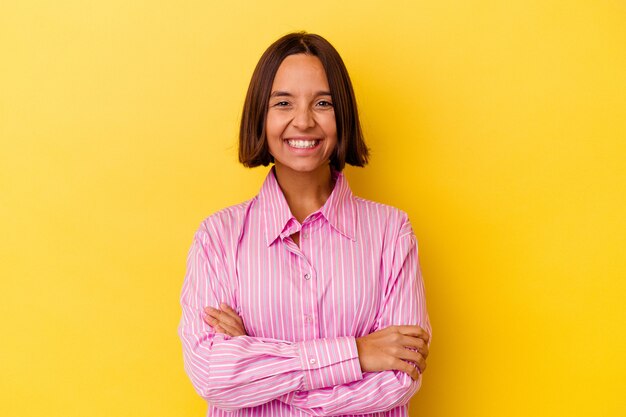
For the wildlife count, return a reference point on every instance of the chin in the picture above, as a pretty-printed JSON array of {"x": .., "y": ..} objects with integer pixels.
[{"x": 303, "y": 168}]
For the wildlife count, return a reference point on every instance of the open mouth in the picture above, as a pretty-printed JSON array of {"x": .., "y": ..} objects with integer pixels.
[{"x": 303, "y": 144}]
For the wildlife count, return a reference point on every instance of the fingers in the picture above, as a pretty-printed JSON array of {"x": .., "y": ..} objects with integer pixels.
[
  {"x": 230, "y": 330},
  {"x": 224, "y": 321},
  {"x": 415, "y": 343},
  {"x": 411, "y": 348},
  {"x": 225, "y": 317},
  {"x": 218, "y": 329},
  {"x": 213, "y": 322},
  {"x": 406, "y": 367},
  {"x": 222, "y": 316},
  {"x": 412, "y": 356},
  {"x": 409, "y": 336},
  {"x": 221, "y": 327},
  {"x": 209, "y": 320},
  {"x": 415, "y": 331},
  {"x": 231, "y": 312}
]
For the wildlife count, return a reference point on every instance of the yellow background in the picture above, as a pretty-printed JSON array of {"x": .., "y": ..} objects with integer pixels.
[{"x": 500, "y": 127}]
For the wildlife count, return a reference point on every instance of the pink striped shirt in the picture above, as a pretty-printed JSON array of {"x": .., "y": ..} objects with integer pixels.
[{"x": 356, "y": 271}]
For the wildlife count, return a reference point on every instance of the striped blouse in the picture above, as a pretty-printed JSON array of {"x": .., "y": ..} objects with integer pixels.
[{"x": 356, "y": 271}]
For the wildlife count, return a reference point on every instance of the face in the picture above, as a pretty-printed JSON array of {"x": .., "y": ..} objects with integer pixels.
[{"x": 300, "y": 126}]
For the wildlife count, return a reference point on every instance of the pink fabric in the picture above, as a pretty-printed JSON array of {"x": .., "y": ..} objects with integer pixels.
[{"x": 356, "y": 271}]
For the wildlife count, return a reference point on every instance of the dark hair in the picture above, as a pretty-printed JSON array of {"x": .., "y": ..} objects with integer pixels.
[{"x": 253, "y": 148}]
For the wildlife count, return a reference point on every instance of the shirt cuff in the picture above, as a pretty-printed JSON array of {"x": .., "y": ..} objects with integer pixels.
[{"x": 329, "y": 362}]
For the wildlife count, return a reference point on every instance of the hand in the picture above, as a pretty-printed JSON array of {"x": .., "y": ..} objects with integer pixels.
[
  {"x": 225, "y": 320},
  {"x": 400, "y": 348}
]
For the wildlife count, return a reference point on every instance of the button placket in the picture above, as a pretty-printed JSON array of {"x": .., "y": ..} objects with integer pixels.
[{"x": 308, "y": 280}]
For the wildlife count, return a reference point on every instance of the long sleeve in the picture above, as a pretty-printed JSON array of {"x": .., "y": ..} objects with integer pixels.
[
  {"x": 403, "y": 303},
  {"x": 234, "y": 373}
]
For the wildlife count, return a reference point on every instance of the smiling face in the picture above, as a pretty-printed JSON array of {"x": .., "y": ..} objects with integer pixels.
[{"x": 300, "y": 127}]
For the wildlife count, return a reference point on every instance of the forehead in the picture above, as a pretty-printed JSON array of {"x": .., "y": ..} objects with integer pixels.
[{"x": 300, "y": 71}]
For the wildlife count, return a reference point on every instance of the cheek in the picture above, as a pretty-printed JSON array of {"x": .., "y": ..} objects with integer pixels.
[
  {"x": 330, "y": 129},
  {"x": 274, "y": 126},
  {"x": 328, "y": 124},
  {"x": 273, "y": 131}
]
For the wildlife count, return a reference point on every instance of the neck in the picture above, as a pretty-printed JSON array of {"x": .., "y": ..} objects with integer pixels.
[{"x": 305, "y": 192}]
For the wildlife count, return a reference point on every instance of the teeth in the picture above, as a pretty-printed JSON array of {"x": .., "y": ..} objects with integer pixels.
[{"x": 303, "y": 144}]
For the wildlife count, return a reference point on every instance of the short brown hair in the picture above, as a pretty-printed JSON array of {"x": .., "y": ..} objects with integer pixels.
[{"x": 253, "y": 148}]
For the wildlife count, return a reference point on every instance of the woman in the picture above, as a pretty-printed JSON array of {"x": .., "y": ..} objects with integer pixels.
[{"x": 305, "y": 299}]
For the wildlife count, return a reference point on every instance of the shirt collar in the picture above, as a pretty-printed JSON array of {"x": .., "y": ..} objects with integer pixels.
[{"x": 339, "y": 209}]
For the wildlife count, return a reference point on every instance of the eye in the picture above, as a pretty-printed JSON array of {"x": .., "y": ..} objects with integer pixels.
[{"x": 324, "y": 103}]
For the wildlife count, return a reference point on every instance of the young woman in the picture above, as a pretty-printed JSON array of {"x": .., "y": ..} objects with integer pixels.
[{"x": 305, "y": 299}]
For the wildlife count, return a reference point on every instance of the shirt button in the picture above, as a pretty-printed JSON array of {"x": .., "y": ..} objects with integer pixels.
[
  {"x": 312, "y": 361},
  {"x": 307, "y": 276},
  {"x": 305, "y": 235},
  {"x": 308, "y": 319}
]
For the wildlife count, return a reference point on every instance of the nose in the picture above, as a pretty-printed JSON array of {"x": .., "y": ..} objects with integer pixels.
[{"x": 303, "y": 118}]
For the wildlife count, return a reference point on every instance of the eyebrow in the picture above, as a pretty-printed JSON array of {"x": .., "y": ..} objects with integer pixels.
[{"x": 287, "y": 94}]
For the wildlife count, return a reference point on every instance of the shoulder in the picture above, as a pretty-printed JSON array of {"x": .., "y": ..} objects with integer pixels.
[
  {"x": 387, "y": 229},
  {"x": 225, "y": 225},
  {"x": 392, "y": 220}
]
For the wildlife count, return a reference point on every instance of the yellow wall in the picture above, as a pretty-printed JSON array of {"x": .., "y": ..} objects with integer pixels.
[{"x": 500, "y": 127}]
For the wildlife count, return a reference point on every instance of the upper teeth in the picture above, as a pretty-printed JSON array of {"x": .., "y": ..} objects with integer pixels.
[{"x": 302, "y": 143}]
